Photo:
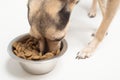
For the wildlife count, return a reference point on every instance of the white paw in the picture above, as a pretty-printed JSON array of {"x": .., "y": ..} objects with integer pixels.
[
  {"x": 92, "y": 14},
  {"x": 85, "y": 53},
  {"x": 88, "y": 51}
]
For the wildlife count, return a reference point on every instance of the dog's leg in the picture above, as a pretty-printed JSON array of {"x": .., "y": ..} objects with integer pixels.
[
  {"x": 92, "y": 12},
  {"x": 111, "y": 9},
  {"x": 102, "y": 5}
]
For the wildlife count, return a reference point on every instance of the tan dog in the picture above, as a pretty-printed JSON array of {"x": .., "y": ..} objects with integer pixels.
[{"x": 49, "y": 20}]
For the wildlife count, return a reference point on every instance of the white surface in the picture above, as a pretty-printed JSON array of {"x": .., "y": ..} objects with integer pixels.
[{"x": 103, "y": 65}]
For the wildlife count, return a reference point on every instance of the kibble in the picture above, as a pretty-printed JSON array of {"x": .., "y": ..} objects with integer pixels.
[{"x": 29, "y": 49}]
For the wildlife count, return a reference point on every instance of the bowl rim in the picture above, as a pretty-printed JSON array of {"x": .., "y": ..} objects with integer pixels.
[{"x": 11, "y": 53}]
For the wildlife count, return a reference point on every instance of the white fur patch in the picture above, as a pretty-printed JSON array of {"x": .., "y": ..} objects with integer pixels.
[{"x": 88, "y": 50}]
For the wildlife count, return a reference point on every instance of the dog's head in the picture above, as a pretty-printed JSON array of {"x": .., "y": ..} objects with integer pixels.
[
  {"x": 59, "y": 13},
  {"x": 51, "y": 17},
  {"x": 55, "y": 14}
]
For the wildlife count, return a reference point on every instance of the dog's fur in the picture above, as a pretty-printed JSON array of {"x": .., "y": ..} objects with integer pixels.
[{"x": 49, "y": 19}]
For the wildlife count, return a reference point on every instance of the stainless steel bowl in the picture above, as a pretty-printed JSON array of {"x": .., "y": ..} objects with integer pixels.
[{"x": 40, "y": 66}]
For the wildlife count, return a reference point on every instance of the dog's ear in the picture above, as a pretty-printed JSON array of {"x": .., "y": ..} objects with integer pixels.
[{"x": 71, "y": 4}]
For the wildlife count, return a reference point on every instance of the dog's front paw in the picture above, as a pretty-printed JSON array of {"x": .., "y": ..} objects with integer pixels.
[
  {"x": 92, "y": 14},
  {"x": 85, "y": 53},
  {"x": 88, "y": 50}
]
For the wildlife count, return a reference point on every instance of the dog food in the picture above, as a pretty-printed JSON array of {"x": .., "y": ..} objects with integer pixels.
[{"x": 29, "y": 49}]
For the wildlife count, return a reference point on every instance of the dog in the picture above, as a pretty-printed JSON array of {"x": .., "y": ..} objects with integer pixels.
[{"x": 49, "y": 20}]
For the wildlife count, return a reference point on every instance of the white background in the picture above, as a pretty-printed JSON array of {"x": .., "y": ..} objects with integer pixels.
[{"x": 103, "y": 65}]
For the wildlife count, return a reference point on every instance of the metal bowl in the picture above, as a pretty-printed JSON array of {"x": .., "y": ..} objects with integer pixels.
[{"x": 40, "y": 66}]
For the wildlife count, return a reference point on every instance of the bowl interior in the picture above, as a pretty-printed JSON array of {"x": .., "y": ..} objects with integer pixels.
[{"x": 23, "y": 37}]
